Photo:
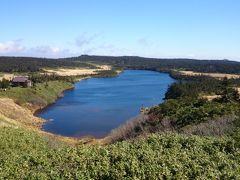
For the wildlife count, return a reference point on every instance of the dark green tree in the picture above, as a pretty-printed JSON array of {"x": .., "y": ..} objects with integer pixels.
[{"x": 228, "y": 93}]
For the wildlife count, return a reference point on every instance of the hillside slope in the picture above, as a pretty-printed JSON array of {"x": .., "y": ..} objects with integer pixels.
[{"x": 25, "y": 154}]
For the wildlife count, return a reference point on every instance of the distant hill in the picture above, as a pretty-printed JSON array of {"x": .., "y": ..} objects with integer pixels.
[
  {"x": 26, "y": 64},
  {"x": 134, "y": 62},
  {"x": 32, "y": 64}
]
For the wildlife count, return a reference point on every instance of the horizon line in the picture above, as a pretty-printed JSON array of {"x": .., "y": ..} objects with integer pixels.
[{"x": 67, "y": 57}]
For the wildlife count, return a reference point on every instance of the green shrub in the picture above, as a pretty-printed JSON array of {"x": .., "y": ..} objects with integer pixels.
[
  {"x": 186, "y": 111},
  {"x": 25, "y": 155}
]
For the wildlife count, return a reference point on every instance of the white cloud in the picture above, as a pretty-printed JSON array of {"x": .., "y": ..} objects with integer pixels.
[
  {"x": 46, "y": 49},
  {"x": 11, "y": 46},
  {"x": 84, "y": 44},
  {"x": 17, "y": 48},
  {"x": 87, "y": 45},
  {"x": 49, "y": 51}
]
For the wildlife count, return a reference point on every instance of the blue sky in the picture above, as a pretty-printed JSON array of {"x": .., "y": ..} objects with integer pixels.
[{"x": 205, "y": 29}]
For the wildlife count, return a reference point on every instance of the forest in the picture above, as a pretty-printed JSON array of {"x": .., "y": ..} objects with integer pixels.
[
  {"x": 134, "y": 62},
  {"x": 29, "y": 64}
]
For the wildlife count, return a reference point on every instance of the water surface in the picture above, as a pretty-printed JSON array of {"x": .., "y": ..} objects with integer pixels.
[{"x": 97, "y": 105}]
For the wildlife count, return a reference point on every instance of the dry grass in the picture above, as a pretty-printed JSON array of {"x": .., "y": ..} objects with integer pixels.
[
  {"x": 127, "y": 130},
  {"x": 7, "y": 77},
  {"x": 77, "y": 71},
  {"x": 9, "y": 109},
  {"x": 211, "y": 97},
  {"x": 6, "y": 122},
  {"x": 238, "y": 89},
  {"x": 214, "y": 75},
  {"x": 212, "y": 127},
  {"x": 144, "y": 125}
]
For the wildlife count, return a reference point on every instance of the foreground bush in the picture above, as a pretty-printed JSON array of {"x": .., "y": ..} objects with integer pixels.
[{"x": 25, "y": 154}]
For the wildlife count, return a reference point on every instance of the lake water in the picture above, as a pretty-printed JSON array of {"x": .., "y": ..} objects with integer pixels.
[{"x": 97, "y": 105}]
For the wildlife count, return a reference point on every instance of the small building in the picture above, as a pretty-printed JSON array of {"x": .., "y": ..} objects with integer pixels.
[{"x": 21, "y": 81}]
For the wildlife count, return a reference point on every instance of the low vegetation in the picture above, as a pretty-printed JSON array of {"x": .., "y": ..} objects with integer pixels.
[{"x": 25, "y": 154}]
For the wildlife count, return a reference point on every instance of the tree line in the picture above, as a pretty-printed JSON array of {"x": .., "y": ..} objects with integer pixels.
[
  {"x": 31, "y": 64},
  {"x": 135, "y": 62}
]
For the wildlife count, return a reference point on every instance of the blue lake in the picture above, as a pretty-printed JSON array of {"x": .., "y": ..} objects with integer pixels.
[{"x": 97, "y": 105}]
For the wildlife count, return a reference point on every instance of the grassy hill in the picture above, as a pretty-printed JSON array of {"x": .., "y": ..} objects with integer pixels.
[{"x": 39, "y": 96}]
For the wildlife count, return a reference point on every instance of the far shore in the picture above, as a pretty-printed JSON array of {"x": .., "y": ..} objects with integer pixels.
[
  {"x": 77, "y": 71},
  {"x": 214, "y": 75}
]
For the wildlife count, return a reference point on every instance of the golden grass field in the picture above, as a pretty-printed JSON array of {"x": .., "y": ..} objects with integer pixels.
[
  {"x": 12, "y": 111},
  {"x": 77, "y": 71},
  {"x": 215, "y": 75},
  {"x": 6, "y": 76}
]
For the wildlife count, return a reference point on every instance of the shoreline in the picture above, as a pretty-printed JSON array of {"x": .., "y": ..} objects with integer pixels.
[
  {"x": 41, "y": 109},
  {"x": 85, "y": 138},
  {"x": 61, "y": 95},
  {"x": 49, "y": 120},
  {"x": 30, "y": 116},
  {"x": 36, "y": 110}
]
